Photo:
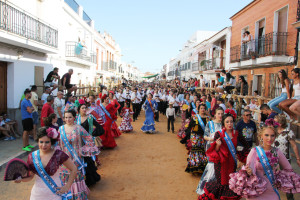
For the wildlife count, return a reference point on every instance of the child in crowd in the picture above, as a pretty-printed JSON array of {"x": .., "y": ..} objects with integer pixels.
[{"x": 170, "y": 113}]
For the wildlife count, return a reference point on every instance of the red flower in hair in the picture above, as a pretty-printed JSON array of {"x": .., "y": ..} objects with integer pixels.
[
  {"x": 231, "y": 112},
  {"x": 81, "y": 101}
]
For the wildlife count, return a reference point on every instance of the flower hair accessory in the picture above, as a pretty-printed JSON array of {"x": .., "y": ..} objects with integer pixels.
[
  {"x": 52, "y": 133},
  {"x": 271, "y": 122},
  {"x": 231, "y": 112}
]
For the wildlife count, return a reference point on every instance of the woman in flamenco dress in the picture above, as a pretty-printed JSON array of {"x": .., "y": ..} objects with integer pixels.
[
  {"x": 50, "y": 160},
  {"x": 197, "y": 159},
  {"x": 125, "y": 125},
  {"x": 116, "y": 131},
  {"x": 88, "y": 122},
  {"x": 184, "y": 105},
  {"x": 110, "y": 110},
  {"x": 77, "y": 143},
  {"x": 265, "y": 164},
  {"x": 210, "y": 130},
  {"x": 149, "y": 107},
  {"x": 224, "y": 158}
]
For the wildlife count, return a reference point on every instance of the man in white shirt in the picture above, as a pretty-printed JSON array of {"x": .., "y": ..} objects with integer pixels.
[
  {"x": 135, "y": 99},
  {"x": 127, "y": 96},
  {"x": 203, "y": 81},
  {"x": 170, "y": 113},
  {"x": 45, "y": 95},
  {"x": 120, "y": 99},
  {"x": 58, "y": 108}
]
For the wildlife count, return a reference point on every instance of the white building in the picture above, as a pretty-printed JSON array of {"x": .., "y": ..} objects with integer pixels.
[
  {"x": 181, "y": 66},
  {"x": 38, "y": 35},
  {"x": 212, "y": 55}
]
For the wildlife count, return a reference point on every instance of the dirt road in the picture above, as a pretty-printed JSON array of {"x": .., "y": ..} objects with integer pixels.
[{"x": 142, "y": 167}]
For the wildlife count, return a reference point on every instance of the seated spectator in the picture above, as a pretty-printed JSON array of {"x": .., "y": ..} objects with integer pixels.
[
  {"x": 255, "y": 93},
  {"x": 230, "y": 83},
  {"x": 13, "y": 124},
  {"x": 220, "y": 82},
  {"x": 285, "y": 91},
  {"x": 66, "y": 82},
  {"x": 52, "y": 76},
  {"x": 252, "y": 104},
  {"x": 4, "y": 129},
  {"x": 242, "y": 84},
  {"x": 265, "y": 109}
]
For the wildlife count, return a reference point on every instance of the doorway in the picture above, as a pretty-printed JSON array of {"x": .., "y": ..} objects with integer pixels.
[
  {"x": 3, "y": 87},
  {"x": 39, "y": 79},
  {"x": 257, "y": 84}
]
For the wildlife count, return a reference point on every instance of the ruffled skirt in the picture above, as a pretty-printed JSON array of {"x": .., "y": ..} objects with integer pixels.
[
  {"x": 207, "y": 176},
  {"x": 125, "y": 125},
  {"x": 115, "y": 130},
  {"x": 79, "y": 189},
  {"x": 149, "y": 124}
]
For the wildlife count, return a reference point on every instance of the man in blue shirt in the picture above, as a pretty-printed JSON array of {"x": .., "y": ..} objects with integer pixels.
[
  {"x": 27, "y": 121},
  {"x": 247, "y": 128}
]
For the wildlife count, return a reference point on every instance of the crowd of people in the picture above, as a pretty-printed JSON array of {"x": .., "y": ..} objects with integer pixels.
[{"x": 237, "y": 152}]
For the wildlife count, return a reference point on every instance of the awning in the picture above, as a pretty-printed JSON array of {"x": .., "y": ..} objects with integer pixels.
[{"x": 150, "y": 76}]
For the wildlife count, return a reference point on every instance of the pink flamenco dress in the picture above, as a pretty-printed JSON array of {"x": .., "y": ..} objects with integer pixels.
[
  {"x": 257, "y": 186},
  {"x": 125, "y": 125},
  {"x": 83, "y": 143},
  {"x": 115, "y": 130},
  {"x": 224, "y": 165},
  {"x": 40, "y": 190}
]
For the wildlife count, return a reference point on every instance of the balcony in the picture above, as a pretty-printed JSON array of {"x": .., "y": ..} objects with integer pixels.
[
  {"x": 212, "y": 64},
  {"x": 75, "y": 52},
  {"x": 195, "y": 67},
  {"x": 26, "y": 30},
  {"x": 110, "y": 66},
  {"x": 267, "y": 50}
]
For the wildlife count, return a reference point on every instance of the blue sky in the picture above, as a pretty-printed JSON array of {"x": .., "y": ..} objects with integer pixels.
[{"x": 150, "y": 32}]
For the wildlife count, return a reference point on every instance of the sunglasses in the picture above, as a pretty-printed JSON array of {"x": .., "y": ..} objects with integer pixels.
[{"x": 248, "y": 115}]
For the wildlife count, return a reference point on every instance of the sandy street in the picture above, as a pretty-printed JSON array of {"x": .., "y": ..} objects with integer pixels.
[{"x": 148, "y": 167}]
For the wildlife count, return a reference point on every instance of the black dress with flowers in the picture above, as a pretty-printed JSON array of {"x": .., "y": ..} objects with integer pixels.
[{"x": 197, "y": 159}]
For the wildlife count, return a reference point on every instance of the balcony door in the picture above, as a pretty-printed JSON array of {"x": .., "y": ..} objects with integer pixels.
[
  {"x": 223, "y": 54},
  {"x": 280, "y": 37},
  {"x": 261, "y": 40},
  {"x": 3, "y": 87}
]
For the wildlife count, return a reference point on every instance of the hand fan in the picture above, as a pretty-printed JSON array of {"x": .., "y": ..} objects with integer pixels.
[
  {"x": 185, "y": 107},
  {"x": 16, "y": 169}
]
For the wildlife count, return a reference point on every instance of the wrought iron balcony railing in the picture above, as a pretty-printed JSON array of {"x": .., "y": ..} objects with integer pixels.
[
  {"x": 212, "y": 64},
  {"x": 23, "y": 24},
  {"x": 274, "y": 43},
  {"x": 110, "y": 66},
  {"x": 75, "y": 49}
]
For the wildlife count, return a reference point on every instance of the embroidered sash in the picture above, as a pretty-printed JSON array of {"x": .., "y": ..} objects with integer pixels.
[
  {"x": 80, "y": 162},
  {"x": 45, "y": 176},
  {"x": 230, "y": 147},
  {"x": 150, "y": 104},
  {"x": 186, "y": 102},
  {"x": 105, "y": 111},
  {"x": 267, "y": 167},
  {"x": 198, "y": 116},
  {"x": 211, "y": 127}
]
